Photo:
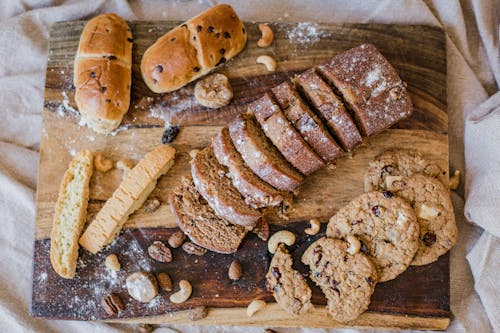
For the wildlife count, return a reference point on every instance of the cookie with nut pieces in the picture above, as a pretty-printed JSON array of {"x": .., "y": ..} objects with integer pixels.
[{"x": 347, "y": 277}]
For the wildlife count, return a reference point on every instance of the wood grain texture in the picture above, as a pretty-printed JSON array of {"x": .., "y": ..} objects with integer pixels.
[{"x": 417, "y": 299}]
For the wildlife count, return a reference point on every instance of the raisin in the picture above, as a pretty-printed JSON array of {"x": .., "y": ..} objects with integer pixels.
[
  {"x": 376, "y": 210},
  {"x": 111, "y": 57},
  {"x": 217, "y": 35},
  {"x": 369, "y": 280},
  {"x": 386, "y": 169},
  {"x": 363, "y": 248},
  {"x": 221, "y": 61},
  {"x": 276, "y": 272},
  {"x": 334, "y": 283},
  {"x": 336, "y": 290},
  {"x": 155, "y": 81},
  {"x": 222, "y": 51},
  {"x": 159, "y": 68},
  {"x": 356, "y": 222},
  {"x": 210, "y": 29},
  {"x": 387, "y": 194},
  {"x": 184, "y": 25},
  {"x": 317, "y": 274},
  {"x": 199, "y": 28},
  {"x": 196, "y": 69},
  {"x": 103, "y": 89},
  {"x": 108, "y": 101},
  {"x": 92, "y": 74},
  {"x": 429, "y": 238},
  {"x": 172, "y": 39},
  {"x": 227, "y": 35},
  {"x": 244, "y": 31},
  {"x": 169, "y": 134},
  {"x": 318, "y": 254},
  {"x": 130, "y": 40},
  {"x": 194, "y": 38}
]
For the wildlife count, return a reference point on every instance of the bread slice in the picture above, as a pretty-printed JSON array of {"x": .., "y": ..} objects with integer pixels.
[
  {"x": 261, "y": 156},
  {"x": 127, "y": 198},
  {"x": 211, "y": 182},
  {"x": 284, "y": 136},
  {"x": 329, "y": 108},
  {"x": 200, "y": 223},
  {"x": 307, "y": 123},
  {"x": 257, "y": 193},
  {"x": 70, "y": 214}
]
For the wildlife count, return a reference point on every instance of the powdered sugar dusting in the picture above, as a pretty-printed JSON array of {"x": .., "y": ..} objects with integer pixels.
[{"x": 305, "y": 33}]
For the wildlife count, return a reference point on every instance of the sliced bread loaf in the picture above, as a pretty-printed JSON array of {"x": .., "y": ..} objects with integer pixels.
[
  {"x": 329, "y": 107},
  {"x": 200, "y": 223},
  {"x": 261, "y": 156},
  {"x": 284, "y": 136},
  {"x": 306, "y": 122},
  {"x": 210, "y": 180},
  {"x": 257, "y": 193}
]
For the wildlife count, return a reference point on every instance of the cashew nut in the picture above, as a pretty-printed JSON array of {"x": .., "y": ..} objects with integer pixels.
[
  {"x": 283, "y": 236},
  {"x": 455, "y": 180},
  {"x": 354, "y": 244},
  {"x": 267, "y": 35},
  {"x": 102, "y": 163},
  {"x": 267, "y": 61},
  {"x": 254, "y": 306},
  {"x": 183, "y": 294},
  {"x": 112, "y": 262},
  {"x": 314, "y": 229}
]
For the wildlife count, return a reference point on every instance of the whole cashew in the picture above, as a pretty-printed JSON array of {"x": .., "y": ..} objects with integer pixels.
[
  {"x": 254, "y": 306},
  {"x": 354, "y": 244},
  {"x": 314, "y": 229},
  {"x": 183, "y": 294},
  {"x": 283, "y": 236},
  {"x": 267, "y": 35},
  {"x": 267, "y": 61},
  {"x": 455, "y": 180}
]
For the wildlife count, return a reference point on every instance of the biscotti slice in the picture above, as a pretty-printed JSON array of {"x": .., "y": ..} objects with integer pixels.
[
  {"x": 261, "y": 156},
  {"x": 200, "y": 223},
  {"x": 128, "y": 197},
  {"x": 290, "y": 289},
  {"x": 306, "y": 122},
  {"x": 284, "y": 136},
  {"x": 210, "y": 180},
  {"x": 329, "y": 108},
  {"x": 257, "y": 193},
  {"x": 346, "y": 276},
  {"x": 370, "y": 86},
  {"x": 70, "y": 214}
]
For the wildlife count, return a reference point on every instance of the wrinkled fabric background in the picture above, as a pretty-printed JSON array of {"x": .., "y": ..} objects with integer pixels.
[{"x": 472, "y": 29}]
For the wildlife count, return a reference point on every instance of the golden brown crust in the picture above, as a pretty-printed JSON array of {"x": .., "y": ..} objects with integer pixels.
[
  {"x": 193, "y": 49},
  {"x": 102, "y": 72}
]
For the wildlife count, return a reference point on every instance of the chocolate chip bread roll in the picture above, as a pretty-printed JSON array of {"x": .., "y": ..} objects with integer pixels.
[
  {"x": 102, "y": 72},
  {"x": 193, "y": 49}
]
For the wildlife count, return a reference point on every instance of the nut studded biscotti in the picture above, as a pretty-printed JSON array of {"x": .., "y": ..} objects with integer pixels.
[
  {"x": 370, "y": 86},
  {"x": 127, "y": 198},
  {"x": 70, "y": 214}
]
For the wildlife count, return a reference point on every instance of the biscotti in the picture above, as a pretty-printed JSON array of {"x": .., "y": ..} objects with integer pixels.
[
  {"x": 261, "y": 156},
  {"x": 128, "y": 197},
  {"x": 210, "y": 179},
  {"x": 284, "y": 136},
  {"x": 200, "y": 223},
  {"x": 307, "y": 123},
  {"x": 102, "y": 72},
  {"x": 370, "y": 86},
  {"x": 70, "y": 214},
  {"x": 329, "y": 108},
  {"x": 193, "y": 49}
]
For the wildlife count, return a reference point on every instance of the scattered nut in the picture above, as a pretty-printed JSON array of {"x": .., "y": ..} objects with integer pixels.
[
  {"x": 102, "y": 163},
  {"x": 164, "y": 281},
  {"x": 268, "y": 330},
  {"x": 170, "y": 133},
  {"x": 455, "y": 180},
  {"x": 151, "y": 205},
  {"x": 112, "y": 304},
  {"x": 235, "y": 270},
  {"x": 213, "y": 91},
  {"x": 267, "y": 61},
  {"x": 144, "y": 328},
  {"x": 193, "y": 153},
  {"x": 354, "y": 244},
  {"x": 194, "y": 249},
  {"x": 183, "y": 294},
  {"x": 254, "y": 306},
  {"x": 427, "y": 211},
  {"x": 262, "y": 230},
  {"x": 315, "y": 226},
  {"x": 141, "y": 286},
  {"x": 267, "y": 35},
  {"x": 112, "y": 262},
  {"x": 160, "y": 252},
  {"x": 125, "y": 165},
  {"x": 176, "y": 239},
  {"x": 283, "y": 236},
  {"x": 197, "y": 313}
]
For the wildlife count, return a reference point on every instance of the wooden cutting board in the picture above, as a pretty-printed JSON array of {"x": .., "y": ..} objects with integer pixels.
[{"x": 419, "y": 298}]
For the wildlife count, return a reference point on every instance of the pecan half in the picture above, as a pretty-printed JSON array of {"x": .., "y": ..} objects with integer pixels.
[
  {"x": 112, "y": 304},
  {"x": 194, "y": 249},
  {"x": 176, "y": 239},
  {"x": 160, "y": 252}
]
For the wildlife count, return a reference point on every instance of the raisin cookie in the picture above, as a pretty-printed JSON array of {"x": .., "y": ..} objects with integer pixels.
[
  {"x": 385, "y": 225},
  {"x": 346, "y": 276},
  {"x": 402, "y": 162},
  {"x": 432, "y": 204},
  {"x": 289, "y": 287}
]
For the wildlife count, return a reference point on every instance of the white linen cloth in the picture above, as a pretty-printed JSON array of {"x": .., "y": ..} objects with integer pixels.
[{"x": 474, "y": 118}]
